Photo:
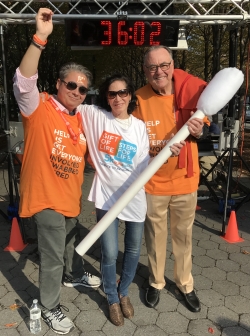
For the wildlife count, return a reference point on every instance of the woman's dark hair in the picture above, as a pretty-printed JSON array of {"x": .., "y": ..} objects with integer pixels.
[{"x": 102, "y": 100}]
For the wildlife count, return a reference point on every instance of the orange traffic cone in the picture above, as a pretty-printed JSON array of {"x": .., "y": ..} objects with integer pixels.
[
  {"x": 232, "y": 235},
  {"x": 16, "y": 240}
]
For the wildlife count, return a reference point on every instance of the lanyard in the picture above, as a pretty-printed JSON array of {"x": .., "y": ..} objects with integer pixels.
[{"x": 72, "y": 134}]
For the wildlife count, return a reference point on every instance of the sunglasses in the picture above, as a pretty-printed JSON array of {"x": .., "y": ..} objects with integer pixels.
[
  {"x": 121, "y": 93},
  {"x": 72, "y": 86}
]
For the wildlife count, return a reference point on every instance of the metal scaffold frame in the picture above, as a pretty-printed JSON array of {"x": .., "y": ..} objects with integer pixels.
[{"x": 189, "y": 12}]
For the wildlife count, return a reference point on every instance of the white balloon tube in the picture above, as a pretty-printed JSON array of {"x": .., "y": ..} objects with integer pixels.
[{"x": 218, "y": 92}]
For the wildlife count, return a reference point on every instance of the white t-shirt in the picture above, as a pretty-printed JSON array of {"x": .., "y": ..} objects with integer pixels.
[{"x": 119, "y": 156}]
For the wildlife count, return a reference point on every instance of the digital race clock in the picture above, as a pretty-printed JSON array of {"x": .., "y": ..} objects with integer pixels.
[{"x": 82, "y": 32}]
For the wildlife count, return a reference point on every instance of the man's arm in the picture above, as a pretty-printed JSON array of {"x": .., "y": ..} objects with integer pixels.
[
  {"x": 29, "y": 64},
  {"x": 25, "y": 79}
]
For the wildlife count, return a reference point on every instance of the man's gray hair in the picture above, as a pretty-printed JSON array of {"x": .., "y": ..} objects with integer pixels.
[
  {"x": 156, "y": 47},
  {"x": 72, "y": 66}
]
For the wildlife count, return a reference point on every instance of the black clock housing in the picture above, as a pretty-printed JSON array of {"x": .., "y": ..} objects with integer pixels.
[{"x": 105, "y": 33}]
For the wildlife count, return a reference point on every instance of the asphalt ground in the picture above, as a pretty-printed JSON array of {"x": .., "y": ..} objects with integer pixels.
[{"x": 221, "y": 273}]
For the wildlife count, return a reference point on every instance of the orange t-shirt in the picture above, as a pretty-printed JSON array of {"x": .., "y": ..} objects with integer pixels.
[
  {"x": 52, "y": 167},
  {"x": 160, "y": 116}
]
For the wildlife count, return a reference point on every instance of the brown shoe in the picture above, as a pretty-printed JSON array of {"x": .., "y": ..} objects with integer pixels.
[
  {"x": 126, "y": 306},
  {"x": 115, "y": 314}
]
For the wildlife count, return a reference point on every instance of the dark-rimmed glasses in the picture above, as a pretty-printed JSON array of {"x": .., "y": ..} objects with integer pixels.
[
  {"x": 154, "y": 68},
  {"x": 73, "y": 85},
  {"x": 121, "y": 93}
]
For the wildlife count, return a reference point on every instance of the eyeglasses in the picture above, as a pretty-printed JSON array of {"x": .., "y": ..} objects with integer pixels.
[
  {"x": 72, "y": 86},
  {"x": 163, "y": 66},
  {"x": 121, "y": 93}
]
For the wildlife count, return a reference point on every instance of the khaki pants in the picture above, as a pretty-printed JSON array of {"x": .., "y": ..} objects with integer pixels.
[{"x": 181, "y": 213}]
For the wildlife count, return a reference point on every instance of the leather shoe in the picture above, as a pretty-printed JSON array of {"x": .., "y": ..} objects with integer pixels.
[
  {"x": 126, "y": 307},
  {"x": 152, "y": 297},
  {"x": 115, "y": 314},
  {"x": 192, "y": 301}
]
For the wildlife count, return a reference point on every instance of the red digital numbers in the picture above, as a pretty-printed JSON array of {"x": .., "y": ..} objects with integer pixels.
[
  {"x": 131, "y": 33},
  {"x": 156, "y": 33},
  {"x": 139, "y": 33},
  {"x": 107, "y": 32},
  {"x": 122, "y": 35}
]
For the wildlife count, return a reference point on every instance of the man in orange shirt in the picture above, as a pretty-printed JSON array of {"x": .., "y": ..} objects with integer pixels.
[
  {"x": 166, "y": 104},
  {"x": 52, "y": 172}
]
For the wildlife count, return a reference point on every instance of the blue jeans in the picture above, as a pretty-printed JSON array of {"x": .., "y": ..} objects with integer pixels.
[{"x": 109, "y": 249}]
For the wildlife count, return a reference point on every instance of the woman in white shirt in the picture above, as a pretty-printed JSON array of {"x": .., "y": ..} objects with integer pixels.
[{"x": 118, "y": 144}]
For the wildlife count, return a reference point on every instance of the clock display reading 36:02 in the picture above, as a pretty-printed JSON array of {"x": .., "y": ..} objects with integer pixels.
[
  {"x": 121, "y": 32},
  {"x": 127, "y": 35}
]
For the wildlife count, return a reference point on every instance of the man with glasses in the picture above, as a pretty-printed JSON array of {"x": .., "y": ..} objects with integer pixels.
[
  {"x": 52, "y": 172},
  {"x": 166, "y": 104}
]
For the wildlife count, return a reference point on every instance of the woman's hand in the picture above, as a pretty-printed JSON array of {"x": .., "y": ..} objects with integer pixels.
[
  {"x": 176, "y": 147},
  {"x": 44, "y": 25}
]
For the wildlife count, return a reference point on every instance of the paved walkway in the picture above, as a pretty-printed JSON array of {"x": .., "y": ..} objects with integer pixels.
[{"x": 221, "y": 273}]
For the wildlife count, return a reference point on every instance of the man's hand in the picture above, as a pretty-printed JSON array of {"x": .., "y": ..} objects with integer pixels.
[
  {"x": 44, "y": 25},
  {"x": 195, "y": 126}
]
